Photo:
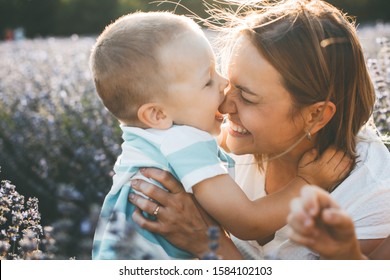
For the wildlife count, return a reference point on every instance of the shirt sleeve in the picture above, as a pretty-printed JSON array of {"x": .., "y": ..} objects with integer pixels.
[{"x": 193, "y": 155}]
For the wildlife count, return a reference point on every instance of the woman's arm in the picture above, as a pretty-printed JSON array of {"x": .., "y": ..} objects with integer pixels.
[
  {"x": 368, "y": 246},
  {"x": 382, "y": 252}
]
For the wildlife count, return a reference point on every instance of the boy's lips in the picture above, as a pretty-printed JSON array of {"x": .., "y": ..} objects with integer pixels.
[{"x": 219, "y": 117}]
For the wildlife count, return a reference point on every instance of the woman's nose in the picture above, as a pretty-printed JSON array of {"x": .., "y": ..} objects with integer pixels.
[{"x": 228, "y": 105}]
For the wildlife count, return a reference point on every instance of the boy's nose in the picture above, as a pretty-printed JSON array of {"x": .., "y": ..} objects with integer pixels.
[{"x": 223, "y": 84}]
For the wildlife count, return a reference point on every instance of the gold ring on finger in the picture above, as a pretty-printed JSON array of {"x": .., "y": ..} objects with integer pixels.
[{"x": 155, "y": 212}]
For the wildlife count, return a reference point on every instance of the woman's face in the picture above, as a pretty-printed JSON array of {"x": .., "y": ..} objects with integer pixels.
[{"x": 259, "y": 108}]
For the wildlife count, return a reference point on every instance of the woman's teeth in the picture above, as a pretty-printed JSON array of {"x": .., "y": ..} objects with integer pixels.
[{"x": 238, "y": 128}]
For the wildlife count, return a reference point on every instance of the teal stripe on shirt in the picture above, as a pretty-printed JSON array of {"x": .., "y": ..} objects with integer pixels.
[{"x": 196, "y": 156}]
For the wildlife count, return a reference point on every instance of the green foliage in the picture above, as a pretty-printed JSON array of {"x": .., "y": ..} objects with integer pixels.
[
  {"x": 84, "y": 17},
  {"x": 66, "y": 17},
  {"x": 365, "y": 10},
  {"x": 21, "y": 235},
  {"x": 38, "y": 17},
  {"x": 379, "y": 67}
]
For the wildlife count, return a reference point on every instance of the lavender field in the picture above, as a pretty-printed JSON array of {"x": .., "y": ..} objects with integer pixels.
[{"x": 58, "y": 143}]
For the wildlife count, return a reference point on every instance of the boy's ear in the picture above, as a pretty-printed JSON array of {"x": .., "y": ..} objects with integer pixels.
[
  {"x": 153, "y": 116},
  {"x": 318, "y": 115}
]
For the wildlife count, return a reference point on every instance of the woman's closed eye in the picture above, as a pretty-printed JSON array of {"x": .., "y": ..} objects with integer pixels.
[{"x": 242, "y": 97}]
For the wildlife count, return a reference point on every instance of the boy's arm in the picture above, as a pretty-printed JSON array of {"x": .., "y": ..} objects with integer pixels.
[{"x": 224, "y": 200}]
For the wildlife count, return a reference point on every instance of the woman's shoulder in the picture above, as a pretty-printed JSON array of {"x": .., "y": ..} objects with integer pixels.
[
  {"x": 370, "y": 142},
  {"x": 368, "y": 185},
  {"x": 373, "y": 155}
]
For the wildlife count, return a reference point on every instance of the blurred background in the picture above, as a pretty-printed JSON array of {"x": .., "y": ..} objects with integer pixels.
[
  {"x": 58, "y": 143},
  {"x": 67, "y": 17}
]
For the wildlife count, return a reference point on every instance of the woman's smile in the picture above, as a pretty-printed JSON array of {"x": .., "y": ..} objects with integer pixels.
[{"x": 237, "y": 130}]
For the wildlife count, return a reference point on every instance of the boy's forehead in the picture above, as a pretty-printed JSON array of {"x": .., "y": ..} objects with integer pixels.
[
  {"x": 188, "y": 43},
  {"x": 186, "y": 53}
]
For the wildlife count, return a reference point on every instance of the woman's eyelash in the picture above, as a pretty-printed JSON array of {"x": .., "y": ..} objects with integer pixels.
[{"x": 239, "y": 91}]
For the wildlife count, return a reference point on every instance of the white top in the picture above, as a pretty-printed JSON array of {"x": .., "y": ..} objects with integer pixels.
[{"x": 365, "y": 195}]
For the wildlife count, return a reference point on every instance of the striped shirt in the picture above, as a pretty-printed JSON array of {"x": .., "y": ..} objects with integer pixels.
[{"x": 190, "y": 154}]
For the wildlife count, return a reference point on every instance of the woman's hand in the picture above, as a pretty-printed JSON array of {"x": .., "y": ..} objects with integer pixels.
[
  {"x": 316, "y": 221},
  {"x": 179, "y": 217}
]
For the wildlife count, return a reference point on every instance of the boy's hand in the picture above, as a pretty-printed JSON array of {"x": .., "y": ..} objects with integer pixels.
[
  {"x": 316, "y": 221},
  {"x": 327, "y": 171}
]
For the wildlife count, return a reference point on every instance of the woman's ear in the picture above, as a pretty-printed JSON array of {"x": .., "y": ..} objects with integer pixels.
[
  {"x": 153, "y": 116},
  {"x": 318, "y": 115}
]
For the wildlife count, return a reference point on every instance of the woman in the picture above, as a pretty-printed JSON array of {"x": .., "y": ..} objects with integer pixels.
[{"x": 298, "y": 80}]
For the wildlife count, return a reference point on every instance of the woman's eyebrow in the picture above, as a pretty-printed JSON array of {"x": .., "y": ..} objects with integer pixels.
[{"x": 245, "y": 89}]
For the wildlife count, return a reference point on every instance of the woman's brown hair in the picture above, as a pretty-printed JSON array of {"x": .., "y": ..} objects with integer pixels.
[{"x": 315, "y": 49}]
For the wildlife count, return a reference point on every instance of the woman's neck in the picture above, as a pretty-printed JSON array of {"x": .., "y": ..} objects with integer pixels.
[{"x": 279, "y": 173}]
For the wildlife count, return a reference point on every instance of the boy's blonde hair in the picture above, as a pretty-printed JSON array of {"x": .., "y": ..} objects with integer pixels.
[{"x": 125, "y": 60}]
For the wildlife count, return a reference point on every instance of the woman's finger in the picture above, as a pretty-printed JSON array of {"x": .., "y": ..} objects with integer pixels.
[
  {"x": 298, "y": 238},
  {"x": 316, "y": 199},
  {"x": 141, "y": 221},
  {"x": 296, "y": 205},
  {"x": 151, "y": 191},
  {"x": 309, "y": 200},
  {"x": 164, "y": 178},
  {"x": 337, "y": 218},
  {"x": 300, "y": 220},
  {"x": 146, "y": 205},
  {"x": 301, "y": 223}
]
